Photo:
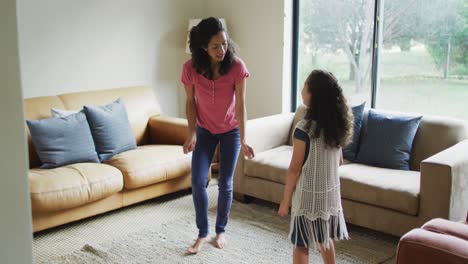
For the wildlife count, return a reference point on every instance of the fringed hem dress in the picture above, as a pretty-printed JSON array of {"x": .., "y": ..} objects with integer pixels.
[{"x": 316, "y": 213}]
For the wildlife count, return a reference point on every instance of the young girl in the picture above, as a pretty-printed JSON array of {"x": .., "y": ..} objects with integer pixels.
[
  {"x": 215, "y": 81},
  {"x": 312, "y": 182}
]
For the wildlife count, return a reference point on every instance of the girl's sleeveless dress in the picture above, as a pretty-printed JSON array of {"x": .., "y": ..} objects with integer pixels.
[{"x": 316, "y": 213}]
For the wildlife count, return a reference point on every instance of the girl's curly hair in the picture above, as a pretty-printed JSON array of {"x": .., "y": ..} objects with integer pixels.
[
  {"x": 329, "y": 109},
  {"x": 200, "y": 36}
]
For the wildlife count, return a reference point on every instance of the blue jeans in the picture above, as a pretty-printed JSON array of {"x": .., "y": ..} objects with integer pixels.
[{"x": 229, "y": 145}]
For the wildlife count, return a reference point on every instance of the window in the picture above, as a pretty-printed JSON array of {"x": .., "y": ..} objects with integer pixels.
[{"x": 423, "y": 62}]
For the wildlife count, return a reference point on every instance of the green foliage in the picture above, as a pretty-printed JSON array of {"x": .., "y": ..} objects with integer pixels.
[
  {"x": 341, "y": 28},
  {"x": 438, "y": 50},
  {"x": 460, "y": 43},
  {"x": 444, "y": 28}
]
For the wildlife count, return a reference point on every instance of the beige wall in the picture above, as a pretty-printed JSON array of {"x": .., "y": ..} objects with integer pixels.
[
  {"x": 69, "y": 45},
  {"x": 15, "y": 219},
  {"x": 258, "y": 27}
]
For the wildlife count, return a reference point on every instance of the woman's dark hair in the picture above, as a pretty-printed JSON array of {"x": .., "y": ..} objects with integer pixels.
[
  {"x": 329, "y": 109},
  {"x": 200, "y": 36}
]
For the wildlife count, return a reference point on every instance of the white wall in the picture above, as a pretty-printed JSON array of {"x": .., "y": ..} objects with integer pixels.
[
  {"x": 15, "y": 219},
  {"x": 70, "y": 45},
  {"x": 258, "y": 27}
]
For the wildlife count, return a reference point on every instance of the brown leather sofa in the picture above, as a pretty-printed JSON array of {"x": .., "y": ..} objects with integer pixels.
[
  {"x": 391, "y": 201},
  {"x": 156, "y": 167},
  {"x": 437, "y": 241}
]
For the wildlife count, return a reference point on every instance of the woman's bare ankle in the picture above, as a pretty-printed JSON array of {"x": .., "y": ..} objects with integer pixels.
[
  {"x": 197, "y": 245},
  {"x": 220, "y": 241}
]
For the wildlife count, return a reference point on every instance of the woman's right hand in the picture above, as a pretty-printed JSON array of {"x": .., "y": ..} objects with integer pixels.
[{"x": 189, "y": 144}]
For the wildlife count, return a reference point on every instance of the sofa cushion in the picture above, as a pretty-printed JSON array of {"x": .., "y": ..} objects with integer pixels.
[
  {"x": 111, "y": 129},
  {"x": 63, "y": 140},
  {"x": 270, "y": 165},
  {"x": 72, "y": 185},
  {"x": 151, "y": 164},
  {"x": 388, "y": 140},
  {"x": 38, "y": 108},
  {"x": 351, "y": 150},
  {"x": 387, "y": 188},
  {"x": 56, "y": 112}
]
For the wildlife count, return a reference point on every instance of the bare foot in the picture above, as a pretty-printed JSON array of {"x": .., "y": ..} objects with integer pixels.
[
  {"x": 195, "y": 248},
  {"x": 220, "y": 241}
]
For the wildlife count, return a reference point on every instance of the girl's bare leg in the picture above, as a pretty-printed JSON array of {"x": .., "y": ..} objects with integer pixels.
[
  {"x": 328, "y": 255},
  {"x": 301, "y": 255}
]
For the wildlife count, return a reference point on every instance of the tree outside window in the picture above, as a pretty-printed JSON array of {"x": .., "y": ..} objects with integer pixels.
[{"x": 423, "y": 61}]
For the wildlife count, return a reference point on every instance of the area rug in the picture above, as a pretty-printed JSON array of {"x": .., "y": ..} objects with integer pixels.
[{"x": 255, "y": 235}]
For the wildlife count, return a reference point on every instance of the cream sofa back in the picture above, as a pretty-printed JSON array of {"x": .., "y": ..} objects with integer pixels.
[{"x": 141, "y": 103}]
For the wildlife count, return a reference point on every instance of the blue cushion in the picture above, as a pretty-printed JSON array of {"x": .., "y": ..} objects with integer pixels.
[
  {"x": 64, "y": 140},
  {"x": 111, "y": 129},
  {"x": 350, "y": 151},
  {"x": 388, "y": 140}
]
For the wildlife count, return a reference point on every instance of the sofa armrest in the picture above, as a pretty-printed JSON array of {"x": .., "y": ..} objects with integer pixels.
[
  {"x": 423, "y": 246},
  {"x": 444, "y": 184},
  {"x": 262, "y": 134},
  {"x": 269, "y": 132},
  {"x": 167, "y": 130}
]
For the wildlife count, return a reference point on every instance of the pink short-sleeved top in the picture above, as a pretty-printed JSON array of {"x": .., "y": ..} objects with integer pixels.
[{"x": 215, "y": 99}]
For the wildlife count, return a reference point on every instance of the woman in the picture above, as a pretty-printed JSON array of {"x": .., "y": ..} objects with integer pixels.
[{"x": 215, "y": 81}]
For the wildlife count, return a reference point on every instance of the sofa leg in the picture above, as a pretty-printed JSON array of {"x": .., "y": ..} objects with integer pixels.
[{"x": 243, "y": 198}]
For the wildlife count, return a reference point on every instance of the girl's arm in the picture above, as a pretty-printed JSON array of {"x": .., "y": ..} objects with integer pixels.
[
  {"x": 191, "y": 113},
  {"x": 241, "y": 115},
  {"x": 294, "y": 171}
]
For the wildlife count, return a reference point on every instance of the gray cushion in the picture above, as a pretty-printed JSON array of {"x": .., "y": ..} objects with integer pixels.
[
  {"x": 387, "y": 140},
  {"x": 64, "y": 140},
  {"x": 111, "y": 129}
]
